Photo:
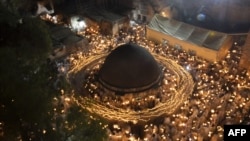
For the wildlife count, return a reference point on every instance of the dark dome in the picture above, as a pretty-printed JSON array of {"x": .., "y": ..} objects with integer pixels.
[{"x": 129, "y": 68}]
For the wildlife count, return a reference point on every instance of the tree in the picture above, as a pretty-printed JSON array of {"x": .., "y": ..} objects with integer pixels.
[
  {"x": 78, "y": 125},
  {"x": 24, "y": 92},
  {"x": 26, "y": 82}
]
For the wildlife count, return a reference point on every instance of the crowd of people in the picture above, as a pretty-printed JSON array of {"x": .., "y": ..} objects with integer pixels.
[{"x": 220, "y": 95}]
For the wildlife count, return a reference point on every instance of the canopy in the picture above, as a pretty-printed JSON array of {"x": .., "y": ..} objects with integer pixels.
[{"x": 199, "y": 36}]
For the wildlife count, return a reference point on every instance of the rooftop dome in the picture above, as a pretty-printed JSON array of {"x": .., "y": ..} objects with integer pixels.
[{"x": 129, "y": 68}]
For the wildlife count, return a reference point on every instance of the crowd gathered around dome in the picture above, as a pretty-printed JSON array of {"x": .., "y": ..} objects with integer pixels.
[{"x": 220, "y": 95}]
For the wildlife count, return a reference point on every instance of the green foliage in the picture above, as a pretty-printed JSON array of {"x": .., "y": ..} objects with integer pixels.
[
  {"x": 23, "y": 58},
  {"x": 36, "y": 43},
  {"x": 24, "y": 93},
  {"x": 26, "y": 86},
  {"x": 77, "y": 126}
]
